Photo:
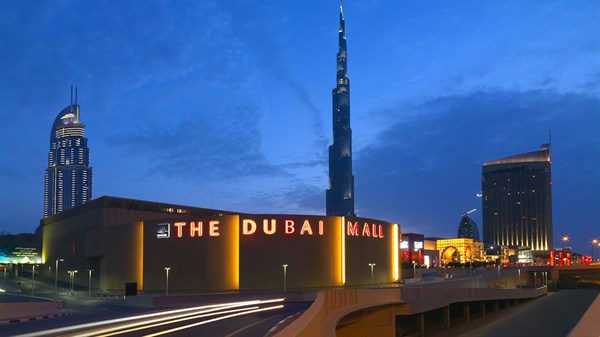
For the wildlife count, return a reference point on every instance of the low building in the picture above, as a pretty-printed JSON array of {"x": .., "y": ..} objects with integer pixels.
[
  {"x": 459, "y": 250},
  {"x": 145, "y": 243}
]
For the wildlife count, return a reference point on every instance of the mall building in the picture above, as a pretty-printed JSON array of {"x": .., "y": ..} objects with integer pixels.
[{"x": 138, "y": 242}]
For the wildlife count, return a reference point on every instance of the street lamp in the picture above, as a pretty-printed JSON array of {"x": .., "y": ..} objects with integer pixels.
[
  {"x": 32, "y": 278},
  {"x": 90, "y": 281},
  {"x": 594, "y": 244},
  {"x": 414, "y": 269},
  {"x": 56, "y": 276},
  {"x": 564, "y": 239},
  {"x": 72, "y": 278},
  {"x": 284, "y": 277},
  {"x": 519, "y": 279},
  {"x": 372, "y": 280},
  {"x": 167, "y": 284}
]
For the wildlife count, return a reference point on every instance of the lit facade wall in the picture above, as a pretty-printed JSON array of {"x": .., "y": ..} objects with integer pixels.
[
  {"x": 369, "y": 241},
  {"x": 459, "y": 250},
  {"x": 127, "y": 241}
]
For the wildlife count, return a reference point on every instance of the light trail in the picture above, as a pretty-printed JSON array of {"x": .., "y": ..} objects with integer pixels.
[
  {"x": 197, "y": 310},
  {"x": 213, "y": 320},
  {"x": 163, "y": 323}
]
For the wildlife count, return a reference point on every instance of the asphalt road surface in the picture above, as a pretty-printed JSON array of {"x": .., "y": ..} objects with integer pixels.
[
  {"x": 242, "y": 320},
  {"x": 551, "y": 316}
]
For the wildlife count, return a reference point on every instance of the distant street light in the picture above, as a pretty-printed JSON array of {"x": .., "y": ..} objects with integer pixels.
[
  {"x": 564, "y": 239},
  {"x": 372, "y": 280},
  {"x": 167, "y": 284},
  {"x": 284, "y": 277},
  {"x": 594, "y": 244},
  {"x": 56, "y": 276},
  {"x": 90, "y": 281},
  {"x": 414, "y": 269}
]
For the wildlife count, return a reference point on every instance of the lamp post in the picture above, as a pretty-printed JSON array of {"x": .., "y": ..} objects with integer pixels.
[
  {"x": 4, "y": 287},
  {"x": 372, "y": 280},
  {"x": 167, "y": 280},
  {"x": 72, "y": 278},
  {"x": 594, "y": 244},
  {"x": 56, "y": 276},
  {"x": 284, "y": 277},
  {"x": 519, "y": 279},
  {"x": 32, "y": 278},
  {"x": 414, "y": 269},
  {"x": 90, "y": 281}
]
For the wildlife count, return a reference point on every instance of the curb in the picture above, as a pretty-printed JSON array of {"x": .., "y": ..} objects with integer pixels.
[{"x": 35, "y": 318}]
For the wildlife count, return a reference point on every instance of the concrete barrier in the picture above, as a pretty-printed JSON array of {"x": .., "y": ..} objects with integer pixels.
[{"x": 19, "y": 311}]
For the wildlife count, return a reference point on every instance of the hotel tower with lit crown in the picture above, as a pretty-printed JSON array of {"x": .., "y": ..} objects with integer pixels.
[
  {"x": 517, "y": 200},
  {"x": 340, "y": 194},
  {"x": 68, "y": 178}
]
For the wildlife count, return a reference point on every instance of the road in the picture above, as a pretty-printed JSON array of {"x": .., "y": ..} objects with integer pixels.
[
  {"x": 239, "y": 319},
  {"x": 551, "y": 316}
]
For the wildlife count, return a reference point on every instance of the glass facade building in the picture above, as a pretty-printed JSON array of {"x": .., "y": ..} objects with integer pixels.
[
  {"x": 517, "y": 200},
  {"x": 467, "y": 228},
  {"x": 68, "y": 178},
  {"x": 340, "y": 193}
]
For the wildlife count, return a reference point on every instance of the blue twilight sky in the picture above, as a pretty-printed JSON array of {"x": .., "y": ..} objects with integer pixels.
[{"x": 227, "y": 104}]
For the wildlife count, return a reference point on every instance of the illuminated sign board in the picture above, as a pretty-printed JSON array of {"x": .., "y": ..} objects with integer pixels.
[
  {"x": 404, "y": 245},
  {"x": 269, "y": 227},
  {"x": 25, "y": 252},
  {"x": 287, "y": 225},
  {"x": 22, "y": 255},
  {"x": 366, "y": 229},
  {"x": 418, "y": 244},
  {"x": 163, "y": 231}
]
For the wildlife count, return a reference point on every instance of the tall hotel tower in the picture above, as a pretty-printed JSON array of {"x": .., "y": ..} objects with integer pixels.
[
  {"x": 340, "y": 194},
  {"x": 517, "y": 200},
  {"x": 68, "y": 179}
]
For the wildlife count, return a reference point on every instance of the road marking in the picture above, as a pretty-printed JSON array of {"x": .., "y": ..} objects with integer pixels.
[{"x": 249, "y": 326}]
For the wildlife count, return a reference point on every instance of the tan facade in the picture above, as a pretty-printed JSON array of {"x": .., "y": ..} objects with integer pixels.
[{"x": 127, "y": 241}]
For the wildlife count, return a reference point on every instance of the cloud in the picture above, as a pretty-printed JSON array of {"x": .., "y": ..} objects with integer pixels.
[
  {"x": 225, "y": 146},
  {"x": 424, "y": 170},
  {"x": 271, "y": 42}
]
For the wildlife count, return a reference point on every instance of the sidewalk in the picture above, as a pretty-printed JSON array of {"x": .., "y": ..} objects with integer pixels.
[{"x": 589, "y": 324}]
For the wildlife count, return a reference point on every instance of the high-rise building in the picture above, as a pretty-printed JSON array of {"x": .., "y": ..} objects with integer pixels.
[
  {"x": 517, "y": 200},
  {"x": 467, "y": 228},
  {"x": 340, "y": 194},
  {"x": 68, "y": 179}
]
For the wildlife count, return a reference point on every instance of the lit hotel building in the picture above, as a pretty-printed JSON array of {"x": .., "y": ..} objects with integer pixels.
[
  {"x": 517, "y": 201},
  {"x": 68, "y": 178},
  {"x": 340, "y": 194}
]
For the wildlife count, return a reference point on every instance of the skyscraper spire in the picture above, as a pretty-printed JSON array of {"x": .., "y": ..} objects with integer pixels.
[{"x": 340, "y": 194}]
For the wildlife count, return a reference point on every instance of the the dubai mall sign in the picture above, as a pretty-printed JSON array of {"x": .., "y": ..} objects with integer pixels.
[{"x": 268, "y": 226}]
